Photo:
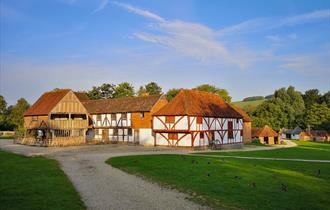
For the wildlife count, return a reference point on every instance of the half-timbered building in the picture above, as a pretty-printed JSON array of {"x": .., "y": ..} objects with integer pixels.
[
  {"x": 124, "y": 119},
  {"x": 57, "y": 118},
  {"x": 197, "y": 119},
  {"x": 247, "y": 124}
]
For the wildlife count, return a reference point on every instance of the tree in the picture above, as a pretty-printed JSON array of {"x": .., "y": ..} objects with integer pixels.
[
  {"x": 17, "y": 111},
  {"x": 311, "y": 97},
  {"x": 318, "y": 117},
  {"x": 124, "y": 89},
  {"x": 325, "y": 99},
  {"x": 171, "y": 93},
  {"x": 94, "y": 94},
  {"x": 151, "y": 88},
  {"x": 3, "y": 108},
  {"x": 223, "y": 93}
]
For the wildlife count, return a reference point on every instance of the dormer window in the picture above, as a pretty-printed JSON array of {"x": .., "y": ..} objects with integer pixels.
[{"x": 142, "y": 115}]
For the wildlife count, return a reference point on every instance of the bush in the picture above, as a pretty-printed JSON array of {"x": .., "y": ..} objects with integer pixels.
[
  {"x": 253, "y": 98},
  {"x": 19, "y": 132}
]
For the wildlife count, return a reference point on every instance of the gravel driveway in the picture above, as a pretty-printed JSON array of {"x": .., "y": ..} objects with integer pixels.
[{"x": 104, "y": 187}]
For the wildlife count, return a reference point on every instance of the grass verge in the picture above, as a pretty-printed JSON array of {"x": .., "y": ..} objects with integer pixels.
[{"x": 35, "y": 183}]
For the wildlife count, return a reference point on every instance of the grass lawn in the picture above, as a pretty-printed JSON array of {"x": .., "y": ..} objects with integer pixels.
[
  {"x": 246, "y": 104},
  {"x": 35, "y": 183},
  {"x": 235, "y": 183},
  {"x": 6, "y": 137},
  {"x": 305, "y": 150}
]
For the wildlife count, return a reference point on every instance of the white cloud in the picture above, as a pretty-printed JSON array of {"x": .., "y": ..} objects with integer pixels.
[
  {"x": 139, "y": 11},
  {"x": 258, "y": 24},
  {"x": 190, "y": 39},
  {"x": 274, "y": 38},
  {"x": 102, "y": 5}
]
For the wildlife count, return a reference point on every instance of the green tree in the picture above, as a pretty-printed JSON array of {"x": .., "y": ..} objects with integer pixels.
[
  {"x": 311, "y": 97},
  {"x": 107, "y": 90},
  {"x": 17, "y": 111},
  {"x": 223, "y": 93},
  {"x": 171, "y": 93},
  {"x": 151, "y": 88},
  {"x": 124, "y": 89},
  {"x": 318, "y": 117},
  {"x": 3, "y": 109},
  {"x": 325, "y": 99},
  {"x": 94, "y": 93}
]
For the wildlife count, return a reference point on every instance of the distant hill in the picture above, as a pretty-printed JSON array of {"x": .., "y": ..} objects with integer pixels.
[{"x": 248, "y": 106}]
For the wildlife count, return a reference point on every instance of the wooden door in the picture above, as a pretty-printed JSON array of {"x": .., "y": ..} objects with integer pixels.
[
  {"x": 136, "y": 136},
  {"x": 105, "y": 135}
]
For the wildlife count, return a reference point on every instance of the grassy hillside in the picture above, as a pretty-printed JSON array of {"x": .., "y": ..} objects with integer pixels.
[{"x": 248, "y": 105}]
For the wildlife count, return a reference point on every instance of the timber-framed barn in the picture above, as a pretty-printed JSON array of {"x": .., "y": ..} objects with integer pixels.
[{"x": 192, "y": 119}]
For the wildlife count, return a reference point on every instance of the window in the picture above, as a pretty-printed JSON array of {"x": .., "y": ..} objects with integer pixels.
[
  {"x": 199, "y": 120},
  {"x": 34, "y": 118},
  {"x": 142, "y": 115},
  {"x": 98, "y": 117},
  {"x": 124, "y": 116},
  {"x": 59, "y": 116},
  {"x": 169, "y": 119},
  {"x": 78, "y": 116},
  {"x": 173, "y": 136},
  {"x": 241, "y": 132},
  {"x": 113, "y": 116},
  {"x": 201, "y": 135},
  {"x": 115, "y": 131},
  {"x": 237, "y": 120},
  {"x": 230, "y": 130},
  {"x": 130, "y": 132}
]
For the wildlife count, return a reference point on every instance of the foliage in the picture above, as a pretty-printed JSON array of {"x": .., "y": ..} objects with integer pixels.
[
  {"x": 12, "y": 117},
  {"x": 35, "y": 183},
  {"x": 171, "y": 93},
  {"x": 151, "y": 88},
  {"x": 318, "y": 117},
  {"x": 311, "y": 97},
  {"x": 226, "y": 183},
  {"x": 124, "y": 89},
  {"x": 253, "y": 98},
  {"x": 108, "y": 91},
  {"x": 269, "y": 96},
  {"x": 223, "y": 93},
  {"x": 283, "y": 110},
  {"x": 325, "y": 99},
  {"x": 105, "y": 91}
]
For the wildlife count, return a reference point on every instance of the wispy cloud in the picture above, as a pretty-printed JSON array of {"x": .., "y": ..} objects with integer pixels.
[
  {"x": 190, "y": 39},
  {"x": 139, "y": 11},
  {"x": 258, "y": 24},
  {"x": 102, "y": 5}
]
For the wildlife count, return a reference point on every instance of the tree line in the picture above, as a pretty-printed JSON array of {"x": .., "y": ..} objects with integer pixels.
[{"x": 289, "y": 108}]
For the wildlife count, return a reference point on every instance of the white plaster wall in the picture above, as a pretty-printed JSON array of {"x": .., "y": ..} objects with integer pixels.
[
  {"x": 157, "y": 124},
  {"x": 160, "y": 140},
  {"x": 185, "y": 141},
  {"x": 146, "y": 137},
  {"x": 182, "y": 124}
]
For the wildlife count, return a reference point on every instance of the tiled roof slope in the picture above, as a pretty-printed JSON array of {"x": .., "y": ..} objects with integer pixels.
[
  {"x": 198, "y": 103},
  {"x": 121, "y": 105}
]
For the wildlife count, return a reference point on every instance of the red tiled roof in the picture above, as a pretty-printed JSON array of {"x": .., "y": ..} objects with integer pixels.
[
  {"x": 198, "y": 103},
  {"x": 263, "y": 132},
  {"x": 49, "y": 100},
  {"x": 121, "y": 105},
  {"x": 46, "y": 102},
  {"x": 246, "y": 117}
]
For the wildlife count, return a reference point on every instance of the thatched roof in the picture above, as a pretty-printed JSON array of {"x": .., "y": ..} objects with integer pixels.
[
  {"x": 122, "y": 105},
  {"x": 263, "y": 132},
  {"x": 246, "y": 117},
  {"x": 198, "y": 103}
]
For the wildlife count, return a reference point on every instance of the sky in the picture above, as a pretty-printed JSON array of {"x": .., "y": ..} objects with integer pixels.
[{"x": 247, "y": 47}]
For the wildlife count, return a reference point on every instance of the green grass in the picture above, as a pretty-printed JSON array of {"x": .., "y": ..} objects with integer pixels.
[
  {"x": 6, "y": 137},
  {"x": 305, "y": 150},
  {"x": 236, "y": 184},
  {"x": 246, "y": 105},
  {"x": 35, "y": 183}
]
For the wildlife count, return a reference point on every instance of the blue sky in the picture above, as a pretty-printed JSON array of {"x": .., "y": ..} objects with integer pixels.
[{"x": 247, "y": 47}]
